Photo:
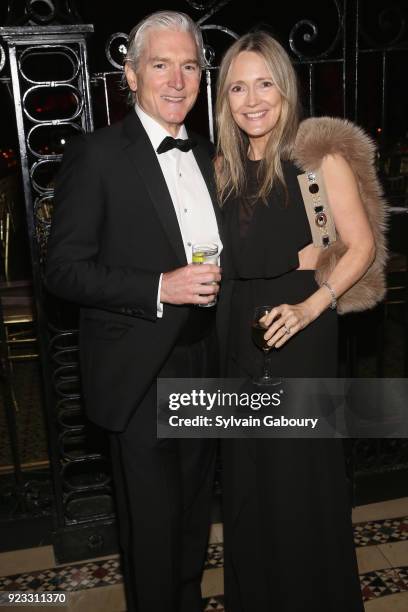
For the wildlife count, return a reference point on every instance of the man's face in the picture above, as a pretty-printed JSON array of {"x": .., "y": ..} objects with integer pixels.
[{"x": 167, "y": 79}]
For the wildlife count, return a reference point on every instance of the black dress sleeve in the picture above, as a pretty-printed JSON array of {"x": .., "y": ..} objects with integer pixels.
[{"x": 265, "y": 237}]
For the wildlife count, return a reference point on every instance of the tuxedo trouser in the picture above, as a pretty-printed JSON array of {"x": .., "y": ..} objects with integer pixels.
[{"x": 163, "y": 491}]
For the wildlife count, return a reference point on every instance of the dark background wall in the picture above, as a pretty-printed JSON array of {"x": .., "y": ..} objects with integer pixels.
[{"x": 382, "y": 22}]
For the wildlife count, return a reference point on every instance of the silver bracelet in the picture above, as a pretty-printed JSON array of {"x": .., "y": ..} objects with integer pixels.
[{"x": 333, "y": 304}]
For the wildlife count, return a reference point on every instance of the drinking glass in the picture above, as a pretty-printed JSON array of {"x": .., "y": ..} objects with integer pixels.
[
  {"x": 258, "y": 330},
  {"x": 206, "y": 254}
]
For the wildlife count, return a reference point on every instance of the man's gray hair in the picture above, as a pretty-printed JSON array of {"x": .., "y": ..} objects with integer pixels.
[{"x": 162, "y": 20}]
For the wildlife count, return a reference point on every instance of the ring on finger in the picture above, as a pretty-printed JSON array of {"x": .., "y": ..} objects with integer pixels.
[{"x": 287, "y": 329}]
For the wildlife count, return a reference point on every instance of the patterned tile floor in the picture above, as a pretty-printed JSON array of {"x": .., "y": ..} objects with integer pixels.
[
  {"x": 96, "y": 574},
  {"x": 381, "y": 532},
  {"x": 387, "y": 581},
  {"x": 214, "y": 603},
  {"x": 384, "y": 582},
  {"x": 66, "y": 578},
  {"x": 215, "y": 556}
]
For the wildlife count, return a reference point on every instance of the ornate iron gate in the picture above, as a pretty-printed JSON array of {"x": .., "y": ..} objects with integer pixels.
[{"x": 51, "y": 29}]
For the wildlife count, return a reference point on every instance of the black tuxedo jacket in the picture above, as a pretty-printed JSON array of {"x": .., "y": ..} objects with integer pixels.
[{"x": 114, "y": 230}]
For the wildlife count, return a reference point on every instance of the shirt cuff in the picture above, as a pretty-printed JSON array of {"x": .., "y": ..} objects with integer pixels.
[{"x": 159, "y": 303}]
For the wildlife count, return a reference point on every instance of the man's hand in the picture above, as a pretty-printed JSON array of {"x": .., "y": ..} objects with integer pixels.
[{"x": 187, "y": 285}]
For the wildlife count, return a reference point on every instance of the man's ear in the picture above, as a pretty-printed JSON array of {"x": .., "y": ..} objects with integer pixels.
[{"x": 131, "y": 77}]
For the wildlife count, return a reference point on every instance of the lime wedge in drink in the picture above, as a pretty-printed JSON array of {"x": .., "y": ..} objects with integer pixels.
[{"x": 198, "y": 257}]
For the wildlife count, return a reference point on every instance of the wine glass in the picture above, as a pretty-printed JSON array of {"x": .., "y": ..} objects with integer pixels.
[{"x": 258, "y": 330}]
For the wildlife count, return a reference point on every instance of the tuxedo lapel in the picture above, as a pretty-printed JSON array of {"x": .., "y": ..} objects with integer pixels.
[{"x": 145, "y": 162}]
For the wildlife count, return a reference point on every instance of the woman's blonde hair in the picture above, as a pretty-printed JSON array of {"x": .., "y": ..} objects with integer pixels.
[{"x": 232, "y": 142}]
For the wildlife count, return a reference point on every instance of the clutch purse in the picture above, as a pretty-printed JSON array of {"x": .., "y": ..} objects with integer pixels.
[
  {"x": 316, "y": 138},
  {"x": 317, "y": 208}
]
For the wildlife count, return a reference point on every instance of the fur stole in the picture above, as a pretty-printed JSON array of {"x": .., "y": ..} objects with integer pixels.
[{"x": 320, "y": 136}]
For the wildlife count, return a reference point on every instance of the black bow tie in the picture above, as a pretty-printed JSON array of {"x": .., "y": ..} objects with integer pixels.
[{"x": 176, "y": 143}]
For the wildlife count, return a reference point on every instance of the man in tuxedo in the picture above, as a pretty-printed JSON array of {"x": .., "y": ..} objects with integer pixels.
[{"x": 130, "y": 201}]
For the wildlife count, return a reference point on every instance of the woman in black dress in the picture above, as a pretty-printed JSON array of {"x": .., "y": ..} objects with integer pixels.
[{"x": 287, "y": 516}]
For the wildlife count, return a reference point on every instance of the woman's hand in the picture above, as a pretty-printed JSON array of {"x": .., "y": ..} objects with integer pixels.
[
  {"x": 285, "y": 321},
  {"x": 354, "y": 228}
]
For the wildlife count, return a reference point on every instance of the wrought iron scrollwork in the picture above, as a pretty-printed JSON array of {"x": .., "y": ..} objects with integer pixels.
[
  {"x": 52, "y": 103},
  {"x": 391, "y": 28},
  {"x": 209, "y": 51},
  {"x": 202, "y": 6},
  {"x": 116, "y": 45},
  {"x": 209, "y": 55},
  {"x": 43, "y": 206},
  {"x": 65, "y": 88},
  {"x": 42, "y": 12},
  {"x": 212, "y": 9},
  {"x": 308, "y": 37},
  {"x": 47, "y": 51},
  {"x": 3, "y": 58},
  {"x": 389, "y": 17},
  {"x": 85, "y": 474},
  {"x": 60, "y": 77},
  {"x": 308, "y": 31}
]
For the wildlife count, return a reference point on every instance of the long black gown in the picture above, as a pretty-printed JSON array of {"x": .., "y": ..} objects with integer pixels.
[{"x": 287, "y": 514}]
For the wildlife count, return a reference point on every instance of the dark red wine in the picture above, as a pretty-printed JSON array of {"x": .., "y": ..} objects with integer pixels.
[{"x": 258, "y": 332}]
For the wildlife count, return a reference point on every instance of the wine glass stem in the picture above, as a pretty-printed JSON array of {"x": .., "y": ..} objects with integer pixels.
[{"x": 266, "y": 370}]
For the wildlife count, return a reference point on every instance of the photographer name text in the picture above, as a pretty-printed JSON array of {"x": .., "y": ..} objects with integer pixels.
[{"x": 238, "y": 422}]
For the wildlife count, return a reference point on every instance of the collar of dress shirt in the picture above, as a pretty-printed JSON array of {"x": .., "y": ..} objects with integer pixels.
[{"x": 154, "y": 130}]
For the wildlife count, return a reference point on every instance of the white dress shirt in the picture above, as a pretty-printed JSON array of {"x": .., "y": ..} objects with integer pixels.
[{"x": 188, "y": 190}]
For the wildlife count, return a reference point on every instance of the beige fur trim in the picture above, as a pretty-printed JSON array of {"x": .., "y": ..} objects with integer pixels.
[{"x": 320, "y": 136}]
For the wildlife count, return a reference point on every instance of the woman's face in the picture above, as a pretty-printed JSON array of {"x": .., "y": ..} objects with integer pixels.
[{"x": 255, "y": 101}]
